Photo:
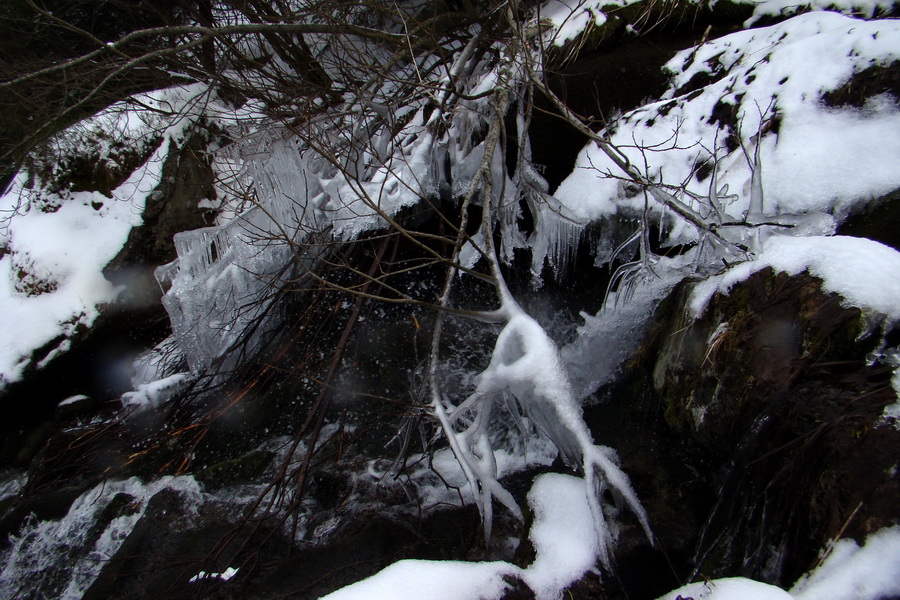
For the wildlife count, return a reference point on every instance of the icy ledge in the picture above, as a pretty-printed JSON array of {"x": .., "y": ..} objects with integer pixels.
[{"x": 865, "y": 273}]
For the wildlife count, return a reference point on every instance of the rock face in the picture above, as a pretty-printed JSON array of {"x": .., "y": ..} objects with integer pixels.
[
  {"x": 187, "y": 179},
  {"x": 769, "y": 400}
]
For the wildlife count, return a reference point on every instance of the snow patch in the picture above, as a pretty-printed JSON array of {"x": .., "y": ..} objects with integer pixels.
[
  {"x": 851, "y": 572},
  {"x": 866, "y": 9},
  {"x": 431, "y": 580},
  {"x": 815, "y": 159},
  {"x": 152, "y": 394},
  {"x": 865, "y": 273},
  {"x": 58, "y": 242},
  {"x": 569, "y": 22},
  {"x": 224, "y": 575},
  {"x": 729, "y": 588},
  {"x": 563, "y": 536},
  {"x": 73, "y": 400}
]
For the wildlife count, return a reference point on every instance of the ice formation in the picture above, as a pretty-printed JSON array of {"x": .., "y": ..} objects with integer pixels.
[
  {"x": 346, "y": 173},
  {"x": 526, "y": 371}
]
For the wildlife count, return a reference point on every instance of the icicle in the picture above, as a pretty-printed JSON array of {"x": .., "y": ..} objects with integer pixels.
[
  {"x": 525, "y": 365},
  {"x": 756, "y": 211},
  {"x": 556, "y": 239}
]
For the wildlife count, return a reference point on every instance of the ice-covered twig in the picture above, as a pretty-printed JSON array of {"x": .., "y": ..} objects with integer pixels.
[
  {"x": 525, "y": 370},
  {"x": 525, "y": 366}
]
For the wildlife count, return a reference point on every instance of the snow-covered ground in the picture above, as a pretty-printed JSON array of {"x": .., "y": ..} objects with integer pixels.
[
  {"x": 814, "y": 158},
  {"x": 847, "y": 571},
  {"x": 54, "y": 243},
  {"x": 562, "y": 535},
  {"x": 51, "y": 281}
]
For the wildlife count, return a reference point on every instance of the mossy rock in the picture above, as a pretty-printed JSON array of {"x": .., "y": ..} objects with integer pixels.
[
  {"x": 772, "y": 388},
  {"x": 245, "y": 469},
  {"x": 625, "y": 22},
  {"x": 750, "y": 346}
]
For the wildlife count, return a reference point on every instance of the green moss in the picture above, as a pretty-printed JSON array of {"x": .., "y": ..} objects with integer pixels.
[
  {"x": 34, "y": 442},
  {"x": 245, "y": 469}
]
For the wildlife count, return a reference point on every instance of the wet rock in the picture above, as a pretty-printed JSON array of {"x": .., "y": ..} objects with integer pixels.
[
  {"x": 15, "y": 511},
  {"x": 173, "y": 543},
  {"x": 76, "y": 406},
  {"x": 366, "y": 545},
  {"x": 245, "y": 469},
  {"x": 68, "y": 462},
  {"x": 866, "y": 84},
  {"x": 769, "y": 400},
  {"x": 56, "y": 564},
  {"x": 880, "y": 221},
  {"x": 159, "y": 555}
]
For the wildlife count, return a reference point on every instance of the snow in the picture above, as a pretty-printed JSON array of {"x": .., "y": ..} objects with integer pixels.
[
  {"x": 847, "y": 572},
  {"x": 151, "y": 394},
  {"x": 778, "y": 8},
  {"x": 851, "y": 572},
  {"x": 566, "y": 547},
  {"x": 570, "y": 19},
  {"x": 527, "y": 371},
  {"x": 562, "y": 535},
  {"x": 431, "y": 580},
  {"x": 57, "y": 243},
  {"x": 820, "y": 160},
  {"x": 865, "y": 273},
  {"x": 63, "y": 253},
  {"x": 570, "y": 22},
  {"x": 729, "y": 588},
  {"x": 817, "y": 166},
  {"x": 891, "y": 414},
  {"x": 73, "y": 400},
  {"x": 224, "y": 575}
]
